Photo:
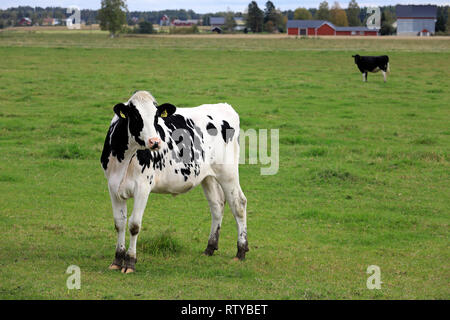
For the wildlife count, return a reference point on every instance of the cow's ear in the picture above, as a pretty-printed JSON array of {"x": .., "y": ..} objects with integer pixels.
[
  {"x": 166, "y": 110},
  {"x": 121, "y": 110}
]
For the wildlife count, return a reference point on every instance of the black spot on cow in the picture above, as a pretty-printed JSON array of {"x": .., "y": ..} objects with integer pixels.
[
  {"x": 159, "y": 129},
  {"x": 186, "y": 172},
  {"x": 144, "y": 157},
  {"x": 134, "y": 229},
  {"x": 104, "y": 159},
  {"x": 187, "y": 136},
  {"x": 212, "y": 130},
  {"x": 116, "y": 142},
  {"x": 227, "y": 131},
  {"x": 209, "y": 117},
  {"x": 136, "y": 123},
  {"x": 149, "y": 158}
]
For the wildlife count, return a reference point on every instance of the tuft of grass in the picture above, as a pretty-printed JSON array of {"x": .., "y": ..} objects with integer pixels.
[
  {"x": 295, "y": 140},
  {"x": 316, "y": 152},
  {"x": 330, "y": 175},
  {"x": 8, "y": 178},
  {"x": 67, "y": 151},
  {"x": 165, "y": 244},
  {"x": 425, "y": 140}
]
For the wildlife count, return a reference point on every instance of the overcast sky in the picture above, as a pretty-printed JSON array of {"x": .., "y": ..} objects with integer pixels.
[{"x": 204, "y": 6}]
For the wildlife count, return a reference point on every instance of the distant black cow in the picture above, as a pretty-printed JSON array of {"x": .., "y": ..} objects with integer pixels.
[{"x": 372, "y": 64}]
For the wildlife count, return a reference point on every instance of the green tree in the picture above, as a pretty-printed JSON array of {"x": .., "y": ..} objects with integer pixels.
[
  {"x": 302, "y": 14},
  {"x": 280, "y": 21},
  {"x": 440, "y": 22},
  {"x": 338, "y": 16},
  {"x": 269, "y": 12},
  {"x": 447, "y": 25},
  {"x": 230, "y": 24},
  {"x": 273, "y": 19},
  {"x": 145, "y": 27},
  {"x": 112, "y": 16},
  {"x": 255, "y": 17},
  {"x": 323, "y": 13},
  {"x": 353, "y": 12},
  {"x": 269, "y": 26},
  {"x": 387, "y": 19}
]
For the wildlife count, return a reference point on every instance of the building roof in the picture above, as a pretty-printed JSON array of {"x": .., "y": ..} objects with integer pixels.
[
  {"x": 217, "y": 20},
  {"x": 317, "y": 23},
  {"x": 412, "y": 11},
  {"x": 306, "y": 23}
]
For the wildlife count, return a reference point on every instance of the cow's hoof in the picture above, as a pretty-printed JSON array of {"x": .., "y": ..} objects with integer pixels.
[
  {"x": 209, "y": 251},
  {"x": 129, "y": 264},
  {"x": 118, "y": 260},
  {"x": 128, "y": 270},
  {"x": 114, "y": 267},
  {"x": 242, "y": 250}
]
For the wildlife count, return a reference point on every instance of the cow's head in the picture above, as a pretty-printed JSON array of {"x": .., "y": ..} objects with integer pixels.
[
  {"x": 357, "y": 57},
  {"x": 142, "y": 113}
]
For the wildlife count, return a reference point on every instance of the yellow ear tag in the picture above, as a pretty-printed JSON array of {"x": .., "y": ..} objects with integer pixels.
[
  {"x": 164, "y": 114},
  {"x": 122, "y": 115}
]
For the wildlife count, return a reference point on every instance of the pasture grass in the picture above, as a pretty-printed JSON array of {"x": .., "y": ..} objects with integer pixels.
[{"x": 363, "y": 177}]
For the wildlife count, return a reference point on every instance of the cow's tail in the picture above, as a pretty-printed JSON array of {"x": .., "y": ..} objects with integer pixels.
[{"x": 388, "y": 69}]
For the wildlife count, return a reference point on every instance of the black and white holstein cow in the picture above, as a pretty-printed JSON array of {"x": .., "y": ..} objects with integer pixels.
[
  {"x": 164, "y": 149},
  {"x": 372, "y": 64}
]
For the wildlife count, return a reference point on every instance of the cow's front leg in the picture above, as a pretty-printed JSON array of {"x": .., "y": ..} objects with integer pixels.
[
  {"x": 120, "y": 223},
  {"x": 365, "y": 77},
  {"x": 134, "y": 225}
]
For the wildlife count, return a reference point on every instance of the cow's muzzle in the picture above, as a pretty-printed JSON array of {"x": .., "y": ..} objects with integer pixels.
[{"x": 154, "y": 143}]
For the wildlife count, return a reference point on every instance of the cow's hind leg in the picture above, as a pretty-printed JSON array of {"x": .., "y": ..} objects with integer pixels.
[
  {"x": 384, "y": 74},
  {"x": 216, "y": 199},
  {"x": 120, "y": 222},
  {"x": 134, "y": 225},
  {"x": 238, "y": 204}
]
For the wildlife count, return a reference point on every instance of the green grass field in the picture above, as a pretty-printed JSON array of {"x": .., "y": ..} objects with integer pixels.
[{"x": 363, "y": 178}]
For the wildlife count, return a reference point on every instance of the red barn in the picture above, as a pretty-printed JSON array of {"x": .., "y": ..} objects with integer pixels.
[
  {"x": 24, "y": 22},
  {"x": 325, "y": 28}
]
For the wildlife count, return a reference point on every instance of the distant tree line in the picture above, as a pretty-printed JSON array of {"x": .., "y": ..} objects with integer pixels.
[{"x": 267, "y": 19}]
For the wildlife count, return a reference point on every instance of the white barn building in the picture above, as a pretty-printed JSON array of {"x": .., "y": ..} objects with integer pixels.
[{"x": 415, "y": 20}]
